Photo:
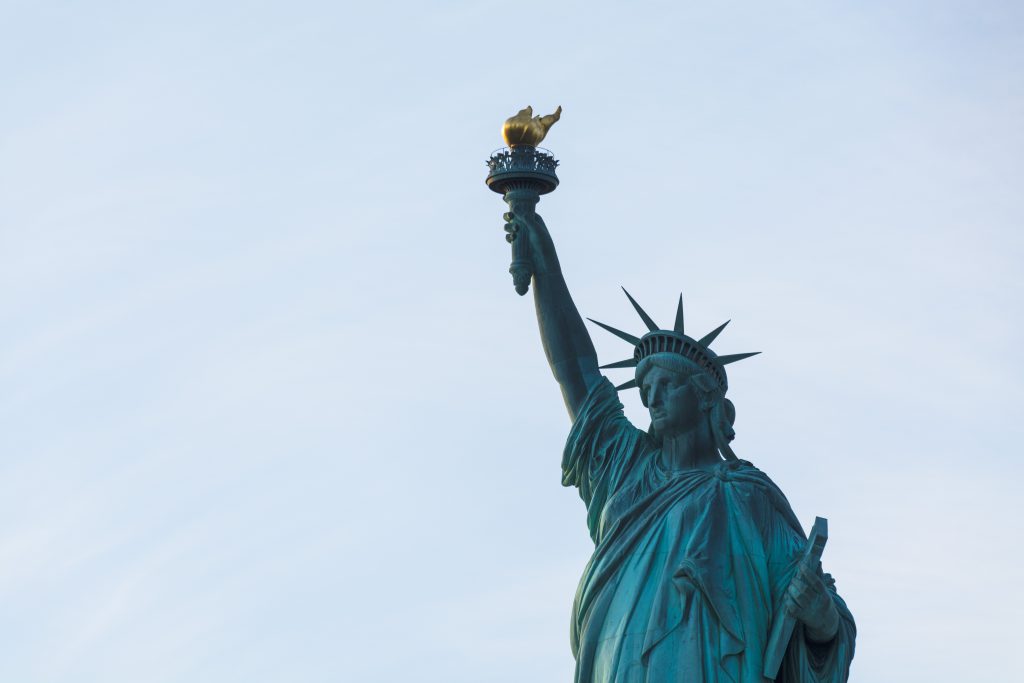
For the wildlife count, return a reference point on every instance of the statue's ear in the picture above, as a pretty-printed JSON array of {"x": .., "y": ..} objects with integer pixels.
[{"x": 703, "y": 382}]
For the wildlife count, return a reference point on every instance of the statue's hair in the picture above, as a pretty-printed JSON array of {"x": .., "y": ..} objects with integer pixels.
[{"x": 720, "y": 410}]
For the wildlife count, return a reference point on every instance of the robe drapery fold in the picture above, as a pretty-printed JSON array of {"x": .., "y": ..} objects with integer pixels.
[{"x": 689, "y": 566}]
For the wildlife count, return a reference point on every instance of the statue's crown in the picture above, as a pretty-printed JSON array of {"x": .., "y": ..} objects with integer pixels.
[{"x": 675, "y": 341}]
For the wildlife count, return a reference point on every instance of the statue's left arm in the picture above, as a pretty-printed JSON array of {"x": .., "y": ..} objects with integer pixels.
[
  {"x": 810, "y": 658},
  {"x": 822, "y": 645},
  {"x": 811, "y": 603}
]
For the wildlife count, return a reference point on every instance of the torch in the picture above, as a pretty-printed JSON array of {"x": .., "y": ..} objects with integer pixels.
[{"x": 521, "y": 173}]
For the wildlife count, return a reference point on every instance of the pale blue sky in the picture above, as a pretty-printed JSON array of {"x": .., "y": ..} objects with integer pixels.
[{"x": 271, "y": 410}]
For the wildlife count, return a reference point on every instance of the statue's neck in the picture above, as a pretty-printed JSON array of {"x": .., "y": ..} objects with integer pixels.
[{"x": 694, "y": 449}]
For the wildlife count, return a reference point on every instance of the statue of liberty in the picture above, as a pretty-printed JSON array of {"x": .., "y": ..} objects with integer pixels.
[{"x": 697, "y": 554}]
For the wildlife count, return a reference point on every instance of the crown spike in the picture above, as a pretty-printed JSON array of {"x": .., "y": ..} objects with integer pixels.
[
  {"x": 732, "y": 358},
  {"x": 710, "y": 336},
  {"x": 678, "y": 327},
  {"x": 651, "y": 325},
  {"x": 618, "y": 333},
  {"x": 628, "y": 363},
  {"x": 631, "y": 384}
]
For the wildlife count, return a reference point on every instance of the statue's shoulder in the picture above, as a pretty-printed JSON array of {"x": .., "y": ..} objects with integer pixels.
[
  {"x": 758, "y": 489},
  {"x": 601, "y": 416},
  {"x": 745, "y": 475},
  {"x": 741, "y": 471}
]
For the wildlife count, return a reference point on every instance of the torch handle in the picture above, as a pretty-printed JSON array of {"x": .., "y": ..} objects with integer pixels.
[
  {"x": 522, "y": 202},
  {"x": 521, "y": 266}
]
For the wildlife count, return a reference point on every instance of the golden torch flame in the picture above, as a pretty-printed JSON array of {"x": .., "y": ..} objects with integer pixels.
[{"x": 526, "y": 129}]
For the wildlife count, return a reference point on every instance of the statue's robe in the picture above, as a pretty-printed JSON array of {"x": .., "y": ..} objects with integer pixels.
[{"x": 689, "y": 566}]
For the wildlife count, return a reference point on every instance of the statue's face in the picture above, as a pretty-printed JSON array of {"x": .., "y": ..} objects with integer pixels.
[{"x": 672, "y": 401}]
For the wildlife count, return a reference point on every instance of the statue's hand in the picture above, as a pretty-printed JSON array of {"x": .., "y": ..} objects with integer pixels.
[
  {"x": 529, "y": 225},
  {"x": 810, "y": 602}
]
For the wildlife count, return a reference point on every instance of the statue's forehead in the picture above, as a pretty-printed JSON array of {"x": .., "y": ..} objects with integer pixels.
[{"x": 667, "y": 363}]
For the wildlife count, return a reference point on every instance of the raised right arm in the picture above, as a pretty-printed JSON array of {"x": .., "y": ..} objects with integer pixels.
[{"x": 567, "y": 343}]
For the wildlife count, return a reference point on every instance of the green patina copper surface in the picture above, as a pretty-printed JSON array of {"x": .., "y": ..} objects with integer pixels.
[{"x": 700, "y": 571}]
